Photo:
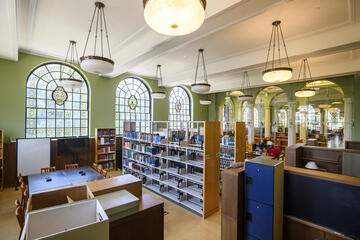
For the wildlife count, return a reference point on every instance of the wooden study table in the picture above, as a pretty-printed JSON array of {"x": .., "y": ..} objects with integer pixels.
[{"x": 62, "y": 178}]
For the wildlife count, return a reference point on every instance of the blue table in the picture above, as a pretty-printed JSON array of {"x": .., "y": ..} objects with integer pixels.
[{"x": 52, "y": 180}]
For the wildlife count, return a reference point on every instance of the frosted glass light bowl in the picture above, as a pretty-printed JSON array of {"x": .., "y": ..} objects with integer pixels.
[
  {"x": 205, "y": 102},
  {"x": 158, "y": 95},
  {"x": 276, "y": 75},
  {"x": 96, "y": 64},
  {"x": 304, "y": 93},
  {"x": 245, "y": 97},
  {"x": 174, "y": 17},
  {"x": 311, "y": 165},
  {"x": 200, "y": 87},
  {"x": 71, "y": 83}
]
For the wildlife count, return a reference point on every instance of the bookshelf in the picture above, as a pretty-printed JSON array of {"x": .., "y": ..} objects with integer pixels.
[
  {"x": 232, "y": 144},
  {"x": 2, "y": 158},
  {"x": 105, "y": 148},
  {"x": 179, "y": 161}
]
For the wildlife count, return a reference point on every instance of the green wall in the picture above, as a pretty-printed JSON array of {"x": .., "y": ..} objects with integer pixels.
[{"x": 13, "y": 77}]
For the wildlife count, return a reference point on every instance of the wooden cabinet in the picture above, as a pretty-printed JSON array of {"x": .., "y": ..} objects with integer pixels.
[{"x": 232, "y": 205}]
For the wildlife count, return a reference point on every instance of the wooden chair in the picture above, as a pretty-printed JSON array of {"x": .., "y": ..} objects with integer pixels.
[
  {"x": 20, "y": 179},
  {"x": 109, "y": 176},
  {"x": 95, "y": 166},
  {"x": 20, "y": 215},
  {"x": 71, "y": 166},
  {"x": 103, "y": 172},
  {"x": 46, "y": 170}
]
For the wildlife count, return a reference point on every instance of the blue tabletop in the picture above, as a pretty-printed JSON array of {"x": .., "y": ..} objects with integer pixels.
[{"x": 62, "y": 178}]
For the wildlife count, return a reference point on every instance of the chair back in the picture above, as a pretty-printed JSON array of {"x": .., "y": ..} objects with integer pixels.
[
  {"x": 49, "y": 169},
  {"x": 71, "y": 166},
  {"x": 20, "y": 179},
  {"x": 20, "y": 215},
  {"x": 95, "y": 166}
]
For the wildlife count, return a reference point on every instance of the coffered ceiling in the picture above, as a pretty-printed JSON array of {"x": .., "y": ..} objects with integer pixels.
[{"x": 235, "y": 37}]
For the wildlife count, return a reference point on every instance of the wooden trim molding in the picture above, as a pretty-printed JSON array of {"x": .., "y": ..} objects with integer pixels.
[{"x": 324, "y": 175}]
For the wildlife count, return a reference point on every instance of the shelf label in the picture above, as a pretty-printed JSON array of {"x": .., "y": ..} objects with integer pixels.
[
  {"x": 218, "y": 155},
  {"x": 207, "y": 156}
]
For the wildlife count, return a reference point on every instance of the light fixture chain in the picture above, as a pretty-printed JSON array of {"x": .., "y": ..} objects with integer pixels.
[
  {"x": 197, "y": 67},
  {"x": 286, "y": 53},
  {"x": 77, "y": 56},
  {"x": 204, "y": 67},
  {"x": 268, "y": 53},
  {"x": 106, "y": 31},
  {"x": 274, "y": 45},
  {"x": 278, "y": 42},
  {"x": 101, "y": 33},
  {"x": 96, "y": 30},
  {"x": 307, "y": 63},
  {"x": 301, "y": 66},
  {"x": 67, "y": 53},
  {"x": 88, "y": 36}
]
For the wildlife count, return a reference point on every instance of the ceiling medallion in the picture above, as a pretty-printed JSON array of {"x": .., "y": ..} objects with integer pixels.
[
  {"x": 204, "y": 86},
  {"x": 158, "y": 76},
  {"x": 305, "y": 92},
  {"x": 98, "y": 64},
  {"x": 244, "y": 85},
  {"x": 176, "y": 17},
  {"x": 71, "y": 59},
  {"x": 279, "y": 73},
  {"x": 178, "y": 106},
  {"x": 132, "y": 102},
  {"x": 59, "y": 95}
]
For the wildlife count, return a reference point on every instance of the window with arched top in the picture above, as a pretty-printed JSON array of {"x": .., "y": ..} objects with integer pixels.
[
  {"x": 179, "y": 107},
  {"x": 228, "y": 114},
  {"x": 247, "y": 116},
  {"x": 282, "y": 118},
  {"x": 133, "y": 103},
  {"x": 66, "y": 117}
]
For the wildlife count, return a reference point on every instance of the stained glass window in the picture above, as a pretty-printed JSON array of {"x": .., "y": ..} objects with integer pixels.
[
  {"x": 179, "y": 107},
  {"x": 45, "y": 118},
  {"x": 247, "y": 115},
  {"x": 228, "y": 115},
  {"x": 133, "y": 103}
]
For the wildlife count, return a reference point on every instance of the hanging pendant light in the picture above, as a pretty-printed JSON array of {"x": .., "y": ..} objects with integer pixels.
[
  {"x": 245, "y": 84},
  {"x": 95, "y": 63},
  {"x": 279, "y": 73},
  {"x": 203, "y": 87},
  {"x": 205, "y": 102},
  {"x": 305, "y": 92},
  {"x": 174, "y": 17},
  {"x": 158, "y": 76},
  {"x": 70, "y": 59}
]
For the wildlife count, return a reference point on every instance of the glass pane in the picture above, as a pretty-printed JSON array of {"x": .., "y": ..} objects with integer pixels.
[
  {"x": 50, "y": 123},
  {"x": 41, "y": 133},
  {"x": 30, "y": 123},
  {"x": 41, "y": 113},
  {"x": 60, "y": 132}
]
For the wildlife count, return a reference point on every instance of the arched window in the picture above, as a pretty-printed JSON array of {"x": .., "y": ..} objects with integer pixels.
[
  {"x": 133, "y": 103},
  {"x": 335, "y": 119},
  {"x": 247, "y": 116},
  {"x": 44, "y": 117},
  {"x": 179, "y": 107},
  {"x": 228, "y": 115},
  {"x": 308, "y": 115},
  {"x": 282, "y": 118}
]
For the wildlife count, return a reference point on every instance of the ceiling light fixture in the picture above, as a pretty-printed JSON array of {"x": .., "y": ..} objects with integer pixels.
[
  {"x": 244, "y": 85},
  {"x": 158, "y": 76},
  {"x": 305, "y": 92},
  {"x": 95, "y": 63},
  {"x": 71, "y": 59},
  {"x": 203, "y": 87},
  {"x": 273, "y": 73},
  {"x": 175, "y": 17},
  {"x": 324, "y": 105},
  {"x": 205, "y": 102}
]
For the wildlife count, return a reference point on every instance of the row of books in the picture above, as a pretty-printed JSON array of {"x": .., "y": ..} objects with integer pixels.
[
  {"x": 227, "y": 152},
  {"x": 106, "y": 140},
  {"x": 108, "y": 132},
  {"x": 106, "y": 166},
  {"x": 228, "y": 141},
  {"x": 106, "y": 157},
  {"x": 107, "y": 149},
  {"x": 142, "y": 147}
]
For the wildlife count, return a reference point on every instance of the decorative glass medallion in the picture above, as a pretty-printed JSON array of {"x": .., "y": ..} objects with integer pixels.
[
  {"x": 132, "y": 102},
  {"x": 178, "y": 106},
  {"x": 59, "y": 95}
]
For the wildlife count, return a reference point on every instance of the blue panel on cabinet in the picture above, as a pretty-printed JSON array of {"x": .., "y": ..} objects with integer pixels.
[
  {"x": 259, "y": 182},
  {"x": 259, "y": 220},
  {"x": 249, "y": 237}
]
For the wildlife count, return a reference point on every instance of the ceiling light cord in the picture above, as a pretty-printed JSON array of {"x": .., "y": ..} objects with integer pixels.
[
  {"x": 88, "y": 36},
  {"x": 158, "y": 75},
  {"x": 201, "y": 56}
]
